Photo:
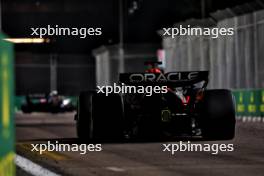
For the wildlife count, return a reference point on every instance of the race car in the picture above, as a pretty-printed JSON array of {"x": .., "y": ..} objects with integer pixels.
[
  {"x": 186, "y": 109},
  {"x": 53, "y": 103}
]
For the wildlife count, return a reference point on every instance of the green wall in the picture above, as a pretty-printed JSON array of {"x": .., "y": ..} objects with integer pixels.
[
  {"x": 250, "y": 102},
  {"x": 7, "y": 152}
]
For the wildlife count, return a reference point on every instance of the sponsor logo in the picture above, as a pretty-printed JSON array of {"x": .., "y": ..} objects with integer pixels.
[{"x": 168, "y": 77}]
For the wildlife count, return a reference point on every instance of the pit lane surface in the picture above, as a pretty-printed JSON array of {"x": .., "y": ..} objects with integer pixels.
[{"x": 136, "y": 158}]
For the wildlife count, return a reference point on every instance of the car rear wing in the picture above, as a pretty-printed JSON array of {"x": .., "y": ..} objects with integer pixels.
[{"x": 175, "y": 79}]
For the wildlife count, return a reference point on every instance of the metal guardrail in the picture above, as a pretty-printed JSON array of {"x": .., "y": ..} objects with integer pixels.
[{"x": 7, "y": 154}]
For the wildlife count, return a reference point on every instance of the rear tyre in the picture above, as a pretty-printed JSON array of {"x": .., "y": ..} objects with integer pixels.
[
  {"x": 99, "y": 117},
  {"x": 107, "y": 117},
  {"x": 218, "y": 115},
  {"x": 83, "y": 117}
]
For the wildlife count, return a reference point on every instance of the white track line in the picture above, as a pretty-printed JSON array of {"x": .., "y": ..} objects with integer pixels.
[
  {"x": 250, "y": 118},
  {"x": 32, "y": 168},
  {"x": 115, "y": 169}
]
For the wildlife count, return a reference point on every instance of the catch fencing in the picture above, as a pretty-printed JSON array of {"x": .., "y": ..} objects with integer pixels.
[{"x": 234, "y": 62}]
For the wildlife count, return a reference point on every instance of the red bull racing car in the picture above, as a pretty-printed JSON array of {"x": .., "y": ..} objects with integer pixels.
[{"x": 187, "y": 108}]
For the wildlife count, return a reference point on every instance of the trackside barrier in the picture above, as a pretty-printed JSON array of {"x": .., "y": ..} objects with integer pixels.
[
  {"x": 250, "y": 104},
  {"x": 7, "y": 154}
]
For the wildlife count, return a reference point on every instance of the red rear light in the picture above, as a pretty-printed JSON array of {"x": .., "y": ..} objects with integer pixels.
[
  {"x": 186, "y": 100},
  {"x": 156, "y": 70}
]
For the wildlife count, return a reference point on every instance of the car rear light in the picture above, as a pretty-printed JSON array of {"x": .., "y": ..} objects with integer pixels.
[
  {"x": 43, "y": 100},
  {"x": 185, "y": 100}
]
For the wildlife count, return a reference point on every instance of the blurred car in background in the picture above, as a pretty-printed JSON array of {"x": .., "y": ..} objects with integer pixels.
[{"x": 53, "y": 103}]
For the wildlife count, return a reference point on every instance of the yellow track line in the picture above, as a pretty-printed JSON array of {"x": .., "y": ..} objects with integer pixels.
[{"x": 48, "y": 154}]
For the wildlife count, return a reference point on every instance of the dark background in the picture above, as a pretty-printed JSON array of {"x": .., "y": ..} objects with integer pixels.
[{"x": 76, "y": 67}]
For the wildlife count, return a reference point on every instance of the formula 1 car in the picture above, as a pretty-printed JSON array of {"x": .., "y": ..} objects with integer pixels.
[
  {"x": 186, "y": 109},
  {"x": 53, "y": 103}
]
